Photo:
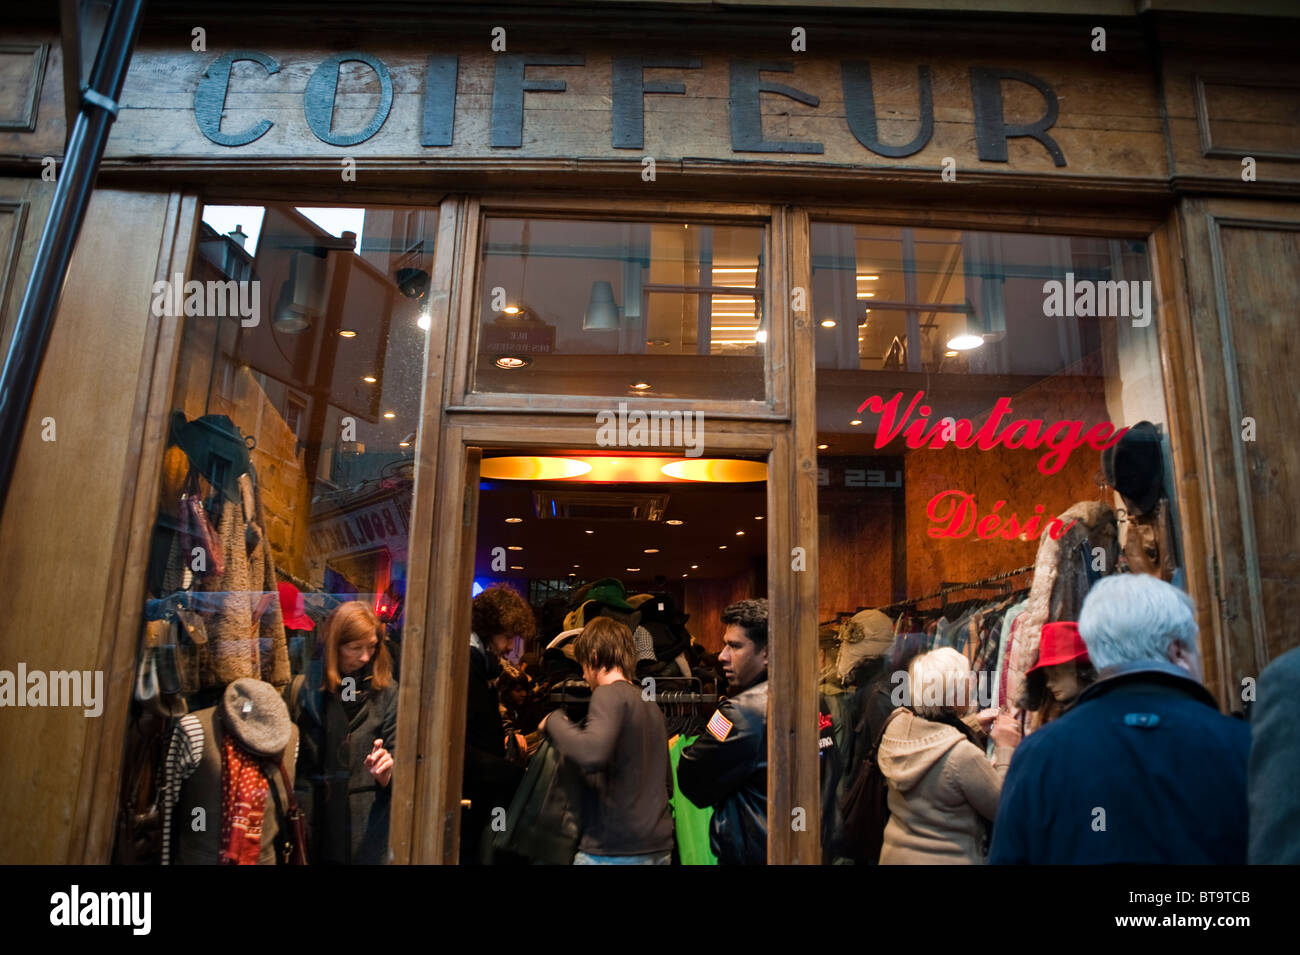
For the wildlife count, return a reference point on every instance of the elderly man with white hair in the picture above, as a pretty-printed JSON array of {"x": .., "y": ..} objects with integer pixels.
[{"x": 1143, "y": 769}]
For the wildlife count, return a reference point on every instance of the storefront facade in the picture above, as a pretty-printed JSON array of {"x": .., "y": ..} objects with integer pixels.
[{"x": 988, "y": 157}]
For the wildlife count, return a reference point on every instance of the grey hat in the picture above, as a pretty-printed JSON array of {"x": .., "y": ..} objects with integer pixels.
[{"x": 255, "y": 714}]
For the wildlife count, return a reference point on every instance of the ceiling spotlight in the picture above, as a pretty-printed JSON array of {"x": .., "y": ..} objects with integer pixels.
[
  {"x": 868, "y": 278},
  {"x": 576, "y": 566},
  {"x": 855, "y": 422},
  {"x": 516, "y": 567},
  {"x": 758, "y": 517},
  {"x": 740, "y": 533},
  {"x": 514, "y": 547},
  {"x": 828, "y": 323},
  {"x": 403, "y": 444},
  {"x": 589, "y": 532},
  {"x": 347, "y": 333},
  {"x": 633, "y": 570},
  {"x": 674, "y": 523},
  {"x": 512, "y": 361},
  {"x": 822, "y": 447},
  {"x": 640, "y": 386},
  {"x": 390, "y": 414},
  {"x": 511, "y": 309},
  {"x": 722, "y": 547},
  {"x": 651, "y": 550},
  {"x": 369, "y": 379},
  {"x": 965, "y": 342},
  {"x": 572, "y": 574},
  {"x": 695, "y": 566},
  {"x": 514, "y": 520}
]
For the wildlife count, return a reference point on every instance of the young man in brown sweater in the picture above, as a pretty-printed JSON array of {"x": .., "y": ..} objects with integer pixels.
[{"x": 623, "y": 750}]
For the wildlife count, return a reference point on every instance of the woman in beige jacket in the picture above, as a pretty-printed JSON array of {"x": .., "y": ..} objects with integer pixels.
[{"x": 942, "y": 788}]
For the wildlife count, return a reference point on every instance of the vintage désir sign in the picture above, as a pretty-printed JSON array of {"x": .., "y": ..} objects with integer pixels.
[{"x": 628, "y": 88}]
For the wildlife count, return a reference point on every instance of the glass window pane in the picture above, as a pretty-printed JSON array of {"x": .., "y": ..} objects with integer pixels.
[
  {"x": 280, "y": 552},
  {"x": 971, "y": 388},
  {"x": 592, "y": 308}
]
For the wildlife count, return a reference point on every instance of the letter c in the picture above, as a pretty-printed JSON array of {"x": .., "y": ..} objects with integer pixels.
[{"x": 210, "y": 98}]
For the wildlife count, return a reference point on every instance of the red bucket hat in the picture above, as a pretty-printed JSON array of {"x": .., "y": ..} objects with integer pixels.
[
  {"x": 1060, "y": 643},
  {"x": 291, "y": 606}
]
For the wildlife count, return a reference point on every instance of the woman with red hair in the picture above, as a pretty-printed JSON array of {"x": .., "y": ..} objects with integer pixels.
[{"x": 345, "y": 706}]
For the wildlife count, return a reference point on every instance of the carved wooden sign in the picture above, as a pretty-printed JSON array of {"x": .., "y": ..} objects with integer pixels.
[{"x": 402, "y": 103}]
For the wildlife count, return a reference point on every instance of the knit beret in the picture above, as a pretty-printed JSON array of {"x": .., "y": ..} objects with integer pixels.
[{"x": 255, "y": 714}]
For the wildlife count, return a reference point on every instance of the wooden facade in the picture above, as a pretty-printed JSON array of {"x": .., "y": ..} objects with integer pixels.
[{"x": 1152, "y": 134}]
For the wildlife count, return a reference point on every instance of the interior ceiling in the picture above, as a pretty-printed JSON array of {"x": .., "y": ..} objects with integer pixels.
[{"x": 712, "y": 514}]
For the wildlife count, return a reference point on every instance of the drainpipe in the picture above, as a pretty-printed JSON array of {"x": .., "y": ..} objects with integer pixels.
[{"x": 71, "y": 196}]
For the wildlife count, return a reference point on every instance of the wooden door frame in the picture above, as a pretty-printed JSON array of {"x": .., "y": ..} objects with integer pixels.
[
  {"x": 1240, "y": 646},
  {"x": 792, "y": 748}
]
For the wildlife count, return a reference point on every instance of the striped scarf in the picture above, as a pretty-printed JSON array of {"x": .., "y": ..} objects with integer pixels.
[{"x": 243, "y": 802}]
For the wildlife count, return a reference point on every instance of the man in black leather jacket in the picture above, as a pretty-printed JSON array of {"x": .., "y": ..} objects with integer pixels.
[{"x": 726, "y": 767}]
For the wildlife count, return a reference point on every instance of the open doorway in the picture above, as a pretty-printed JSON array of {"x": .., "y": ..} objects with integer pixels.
[{"x": 660, "y": 543}]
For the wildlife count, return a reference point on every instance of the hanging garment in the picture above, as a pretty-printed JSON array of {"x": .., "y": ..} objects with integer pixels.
[{"x": 690, "y": 821}]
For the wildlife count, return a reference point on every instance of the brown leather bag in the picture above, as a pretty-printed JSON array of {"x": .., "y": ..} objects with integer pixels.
[{"x": 293, "y": 834}]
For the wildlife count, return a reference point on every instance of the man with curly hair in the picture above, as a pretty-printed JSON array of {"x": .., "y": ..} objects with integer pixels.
[{"x": 498, "y": 616}]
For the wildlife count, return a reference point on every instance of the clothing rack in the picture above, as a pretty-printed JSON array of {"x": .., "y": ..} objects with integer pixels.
[{"x": 946, "y": 588}]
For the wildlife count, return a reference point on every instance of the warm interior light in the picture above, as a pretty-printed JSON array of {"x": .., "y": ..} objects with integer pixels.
[
  {"x": 695, "y": 566},
  {"x": 369, "y": 379},
  {"x": 758, "y": 517},
  {"x": 965, "y": 342},
  {"x": 760, "y": 336},
  {"x": 717, "y": 470},
  {"x": 589, "y": 532},
  {"x": 514, "y": 547},
  {"x": 514, "y": 520},
  {"x": 511, "y": 309},
  {"x": 675, "y": 523},
  {"x": 512, "y": 361},
  {"x": 822, "y": 447},
  {"x": 828, "y": 323},
  {"x": 516, "y": 567},
  {"x": 855, "y": 422},
  {"x": 347, "y": 333},
  {"x": 403, "y": 444},
  {"x": 950, "y": 353},
  {"x": 640, "y": 386},
  {"x": 633, "y": 570},
  {"x": 722, "y": 547},
  {"x": 531, "y": 468},
  {"x": 866, "y": 295},
  {"x": 868, "y": 278},
  {"x": 651, "y": 550},
  {"x": 740, "y": 533},
  {"x": 390, "y": 414}
]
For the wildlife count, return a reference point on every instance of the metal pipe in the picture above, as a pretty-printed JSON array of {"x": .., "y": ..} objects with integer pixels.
[{"x": 35, "y": 319}]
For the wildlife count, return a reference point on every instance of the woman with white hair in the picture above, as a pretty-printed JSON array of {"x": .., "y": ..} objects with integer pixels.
[{"x": 943, "y": 792}]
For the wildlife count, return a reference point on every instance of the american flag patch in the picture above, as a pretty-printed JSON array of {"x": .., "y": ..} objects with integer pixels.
[{"x": 719, "y": 727}]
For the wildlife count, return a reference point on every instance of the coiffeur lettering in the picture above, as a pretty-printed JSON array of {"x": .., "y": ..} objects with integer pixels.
[{"x": 954, "y": 512}]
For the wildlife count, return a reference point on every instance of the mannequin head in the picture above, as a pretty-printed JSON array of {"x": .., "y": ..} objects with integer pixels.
[{"x": 354, "y": 637}]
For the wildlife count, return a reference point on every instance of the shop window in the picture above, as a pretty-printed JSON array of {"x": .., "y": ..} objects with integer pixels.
[
  {"x": 284, "y": 518},
  {"x": 664, "y": 309},
  {"x": 974, "y": 393}
]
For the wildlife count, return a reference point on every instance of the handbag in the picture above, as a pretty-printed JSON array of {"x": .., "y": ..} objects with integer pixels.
[
  {"x": 865, "y": 804},
  {"x": 293, "y": 833},
  {"x": 543, "y": 824}
]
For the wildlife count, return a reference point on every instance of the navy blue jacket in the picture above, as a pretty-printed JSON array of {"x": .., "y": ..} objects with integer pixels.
[{"x": 1143, "y": 769}]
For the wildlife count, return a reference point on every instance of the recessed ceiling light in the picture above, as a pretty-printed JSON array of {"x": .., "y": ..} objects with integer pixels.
[
  {"x": 390, "y": 414},
  {"x": 514, "y": 520},
  {"x": 651, "y": 550},
  {"x": 675, "y": 523},
  {"x": 828, "y": 323},
  {"x": 722, "y": 547},
  {"x": 855, "y": 422},
  {"x": 822, "y": 447},
  {"x": 514, "y": 547},
  {"x": 572, "y": 574},
  {"x": 576, "y": 566},
  {"x": 512, "y": 361},
  {"x": 685, "y": 575},
  {"x": 589, "y": 532},
  {"x": 347, "y": 333},
  {"x": 403, "y": 444},
  {"x": 511, "y": 309},
  {"x": 758, "y": 517},
  {"x": 633, "y": 570},
  {"x": 369, "y": 379},
  {"x": 516, "y": 567},
  {"x": 695, "y": 566},
  {"x": 640, "y": 386},
  {"x": 740, "y": 533},
  {"x": 868, "y": 278},
  {"x": 965, "y": 342}
]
